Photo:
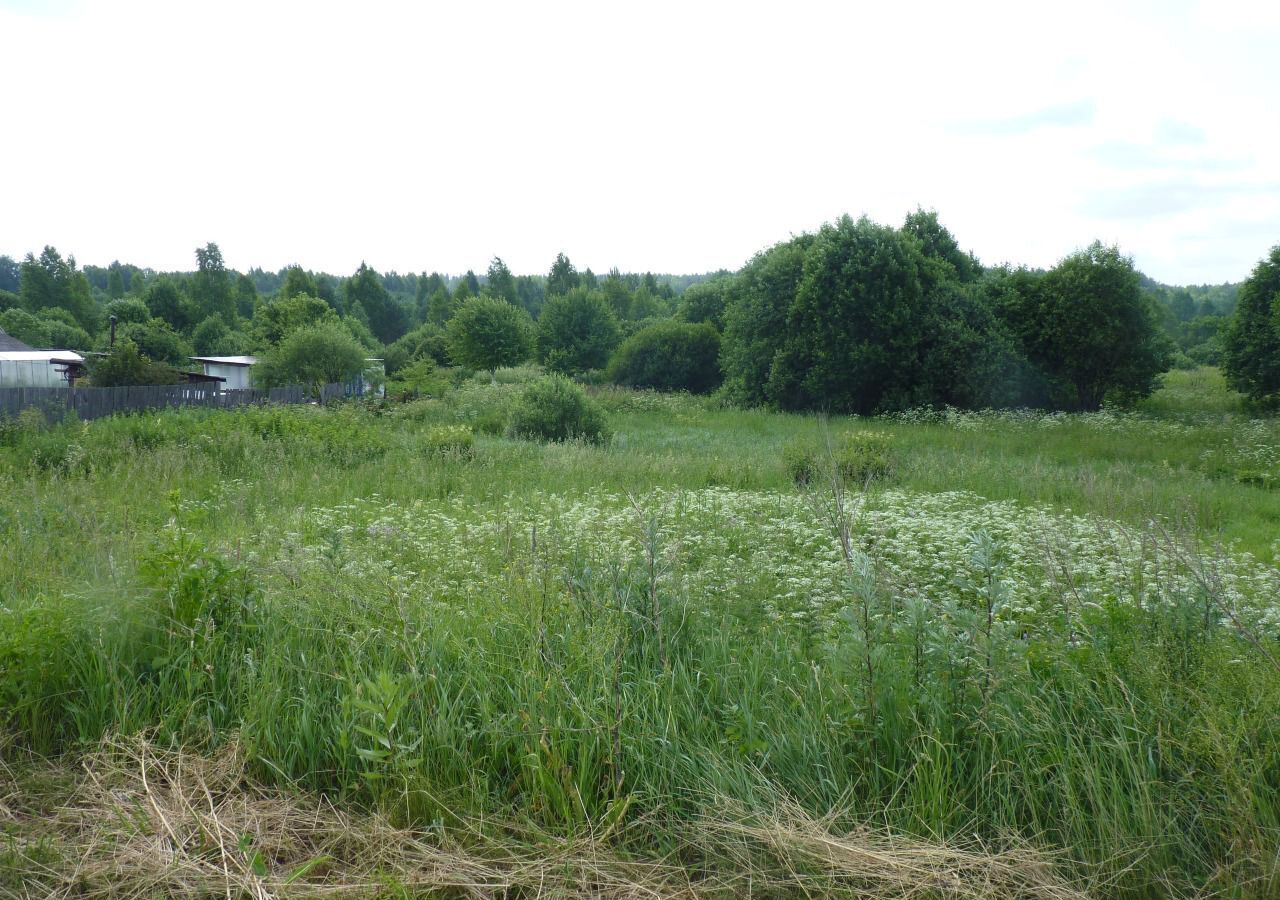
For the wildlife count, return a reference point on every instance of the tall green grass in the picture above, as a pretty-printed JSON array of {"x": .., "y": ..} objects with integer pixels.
[{"x": 150, "y": 580}]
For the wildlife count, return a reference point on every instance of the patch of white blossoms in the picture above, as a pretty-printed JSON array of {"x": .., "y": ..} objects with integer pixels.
[{"x": 781, "y": 551}]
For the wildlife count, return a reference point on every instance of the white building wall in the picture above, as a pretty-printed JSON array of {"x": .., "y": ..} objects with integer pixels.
[
  {"x": 30, "y": 373},
  {"x": 237, "y": 377}
]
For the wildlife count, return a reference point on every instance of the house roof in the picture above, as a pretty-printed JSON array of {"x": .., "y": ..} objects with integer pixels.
[
  {"x": 11, "y": 344},
  {"x": 29, "y": 355},
  {"x": 226, "y": 360}
]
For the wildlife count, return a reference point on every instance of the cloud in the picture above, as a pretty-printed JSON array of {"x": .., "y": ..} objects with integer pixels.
[
  {"x": 1172, "y": 131},
  {"x": 1079, "y": 114},
  {"x": 1129, "y": 156},
  {"x": 43, "y": 8},
  {"x": 1172, "y": 197}
]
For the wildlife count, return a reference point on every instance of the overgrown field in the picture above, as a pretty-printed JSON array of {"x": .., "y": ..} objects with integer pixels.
[{"x": 353, "y": 651}]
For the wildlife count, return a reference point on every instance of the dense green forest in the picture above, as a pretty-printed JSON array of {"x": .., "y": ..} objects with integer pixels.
[{"x": 855, "y": 317}]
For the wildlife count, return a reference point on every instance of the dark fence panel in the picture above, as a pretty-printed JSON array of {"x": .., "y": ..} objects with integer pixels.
[{"x": 94, "y": 403}]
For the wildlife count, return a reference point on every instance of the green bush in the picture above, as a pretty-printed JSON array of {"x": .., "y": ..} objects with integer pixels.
[
  {"x": 555, "y": 409},
  {"x": 127, "y": 365},
  {"x": 487, "y": 333},
  {"x": 486, "y": 407},
  {"x": 669, "y": 356},
  {"x": 421, "y": 378},
  {"x": 313, "y": 355},
  {"x": 576, "y": 332},
  {"x": 858, "y": 456},
  {"x": 451, "y": 440}
]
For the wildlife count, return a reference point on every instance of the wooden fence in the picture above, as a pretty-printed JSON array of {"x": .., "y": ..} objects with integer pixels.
[{"x": 94, "y": 403}]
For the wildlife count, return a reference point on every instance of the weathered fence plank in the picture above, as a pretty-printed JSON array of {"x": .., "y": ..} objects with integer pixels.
[{"x": 95, "y": 403}]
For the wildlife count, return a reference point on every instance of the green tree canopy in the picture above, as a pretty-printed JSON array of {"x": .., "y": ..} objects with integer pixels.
[
  {"x": 298, "y": 281},
  {"x": 313, "y": 355},
  {"x": 51, "y": 282},
  {"x": 500, "y": 282},
  {"x": 167, "y": 302},
  {"x": 705, "y": 302},
  {"x": 428, "y": 285},
  {"x": 127, "y": 309},
  {"x": 157, "y": 341},
  {"x": 576, "y": 332},
  {"x": 10, "y": 274},
  {"x": 246, "y": 296},
  {"x": 1251, "y": 344},
  {"x": 563, "y": 277},
  {"x": 365, "y": 292},
  {"x": 1089, "y": 328},
  {"x": 669, "y": 356},
  {"x": 276, "y": 319},
  {"x": 441, "y": 306},
  {"x": 427, "y": 341},
  {"x": 115, "y": 281},
  {"x": 125, "y": 364},
  {"x": 859, "y": 318},
  {"x": 487, "y": 333},
  {"x": 211, "y": 286},
  {"x": 472, "y": 283},
  {"x": 938, "y": 243}
]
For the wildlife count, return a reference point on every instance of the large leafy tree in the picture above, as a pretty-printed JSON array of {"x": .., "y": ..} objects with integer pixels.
[
  {"x": 441, "y": 306},
  {"x": 298, "y": 281},
  {"x": 168, "y": 303},
  {"x": 487, "y": 333},
  {"x": 500, "y": 282},
  {"x": 127, "y": 309},
  {"x": 427, "y": 287},
  {"x": 855, "y": 327},
  {"x": 125, "y": 364},
  {"x": 157, "y": 341},
  {"x": 51, "y": 282},
  {"x": 365, "y": 292},
  {"x": 472, "y": 283},
  {"x": 938, "y": 243},
  {"x": 314, "y": 355},
  {"x": 1089, "y": 328},
  {"x": 115, "y": 281},
  {"x": 274, "y": 320},
  {"x": 563, "y": 276},
  {"x": 425, "y": 341},
  {"x": 211, "y": 285},
  {"x": 861, "y": 318},
  {"x": 246, "y": 296},
  {"x": 669, "y": 356},
  {"x": 756, "y": 318},
  {"x": 10, "y": 274},
  {"x": 1251, "y": 345},
  {"x": 576, "y": 332},
  {"x": 705, "y": 302}
]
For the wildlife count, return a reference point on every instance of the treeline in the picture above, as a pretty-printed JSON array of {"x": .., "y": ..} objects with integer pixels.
[
  {"x": 856, "y": 317},
  {"x": 48, "y": 302}
]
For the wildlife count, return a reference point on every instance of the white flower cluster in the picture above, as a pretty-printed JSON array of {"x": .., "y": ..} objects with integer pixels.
[
  {"x": 1109, "y": 421},
  {"x": 782, "y": 550}
]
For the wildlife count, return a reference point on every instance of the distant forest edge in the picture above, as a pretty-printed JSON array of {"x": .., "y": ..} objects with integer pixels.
[{"x": 855, "y": 317}]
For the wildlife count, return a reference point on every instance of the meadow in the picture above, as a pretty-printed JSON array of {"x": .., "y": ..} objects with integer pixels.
[{"x": 382, "y": 650}]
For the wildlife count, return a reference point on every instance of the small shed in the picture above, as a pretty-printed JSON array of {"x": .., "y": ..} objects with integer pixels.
[
  {"x": 39, "y": 368},
  {"x": 233, "y": 370}
]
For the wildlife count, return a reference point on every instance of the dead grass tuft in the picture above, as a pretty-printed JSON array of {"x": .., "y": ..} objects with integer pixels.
[{"x": 141, "y": 821}]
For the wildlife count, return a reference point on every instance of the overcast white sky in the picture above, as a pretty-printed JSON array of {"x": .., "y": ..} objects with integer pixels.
[{"x": 673, "y": 137}]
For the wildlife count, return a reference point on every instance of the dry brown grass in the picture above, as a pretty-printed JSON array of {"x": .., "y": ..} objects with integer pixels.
[{"x": 139, "y": 821}]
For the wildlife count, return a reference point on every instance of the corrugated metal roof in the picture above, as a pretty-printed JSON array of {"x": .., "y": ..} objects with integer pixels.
[
  {"x": 40, "y": 356},
  {"x": 227, "y": 360}
]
